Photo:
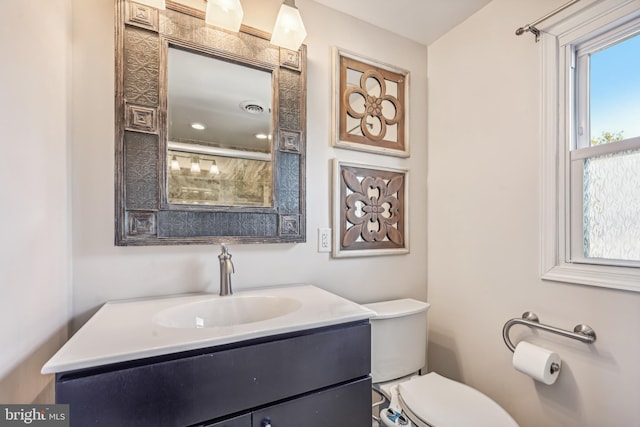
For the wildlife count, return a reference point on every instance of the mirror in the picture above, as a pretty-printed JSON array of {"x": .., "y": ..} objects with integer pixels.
[
  {"x": 176, "y": 184},
  {"x": 219, "y": 132}
]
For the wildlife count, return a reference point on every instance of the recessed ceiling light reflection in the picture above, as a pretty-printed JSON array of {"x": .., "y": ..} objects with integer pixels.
[
  {"x": 262, "y": 136},
  {"x": 198, "y": 126}
]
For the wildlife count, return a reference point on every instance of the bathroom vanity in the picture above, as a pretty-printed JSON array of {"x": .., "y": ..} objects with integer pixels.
[{"x": 307, "y": 367}]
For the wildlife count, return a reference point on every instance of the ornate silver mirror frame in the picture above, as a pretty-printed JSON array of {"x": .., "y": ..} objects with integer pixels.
[{"x": 143, "y": 215}]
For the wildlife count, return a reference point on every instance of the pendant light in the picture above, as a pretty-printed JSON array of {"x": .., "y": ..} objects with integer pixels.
[
  {"x": 225, "y": 14},
  {"x": 289, "y": 31}
]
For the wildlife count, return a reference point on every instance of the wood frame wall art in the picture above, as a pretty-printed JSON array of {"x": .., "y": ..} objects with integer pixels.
[
  {"x": 370, "y": 105},
  {"x": 370, "y": 210}
]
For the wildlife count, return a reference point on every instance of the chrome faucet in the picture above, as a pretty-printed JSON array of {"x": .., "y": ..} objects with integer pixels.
[{"x": 226, "y": 268}]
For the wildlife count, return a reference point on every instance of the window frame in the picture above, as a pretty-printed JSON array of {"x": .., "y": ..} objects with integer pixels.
[{"x": 559, "y": 37}]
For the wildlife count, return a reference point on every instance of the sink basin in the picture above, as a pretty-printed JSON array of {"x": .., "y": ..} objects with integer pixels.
[
  {"x": 174, "y": 324},
  {"x": 226, "y": 311}
]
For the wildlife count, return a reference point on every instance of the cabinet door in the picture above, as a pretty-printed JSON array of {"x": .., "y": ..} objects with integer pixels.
[
  {"x": 346, "y": 405},
  {"x": 241, "y": 421}
]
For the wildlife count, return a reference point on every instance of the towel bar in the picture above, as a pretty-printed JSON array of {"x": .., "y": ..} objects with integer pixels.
[{"x": 581, "y": 332}]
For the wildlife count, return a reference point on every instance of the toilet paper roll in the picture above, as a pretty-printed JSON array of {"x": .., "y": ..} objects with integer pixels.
[{"x": 539, "y": 363}]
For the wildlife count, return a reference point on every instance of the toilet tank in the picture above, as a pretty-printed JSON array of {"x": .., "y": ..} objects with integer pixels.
[{"x": 398, "y": 338}]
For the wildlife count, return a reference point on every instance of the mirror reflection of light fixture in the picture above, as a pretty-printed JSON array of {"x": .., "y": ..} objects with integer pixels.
[
  {"x": 289, "y": 31},
  {"x": 175, "y": 164},
  {"x": 226, "y": 14},
  {"x": 158, "y": 4},
  {"x": 214, "y": 168},
  {"x": 195, "y": 165}
]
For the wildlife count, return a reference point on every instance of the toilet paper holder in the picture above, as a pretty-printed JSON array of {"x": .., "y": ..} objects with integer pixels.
[{"x": 581, "y": 332}]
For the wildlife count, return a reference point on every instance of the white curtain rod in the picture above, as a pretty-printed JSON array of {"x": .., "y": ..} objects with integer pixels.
[{"x": 532, "y": 26}]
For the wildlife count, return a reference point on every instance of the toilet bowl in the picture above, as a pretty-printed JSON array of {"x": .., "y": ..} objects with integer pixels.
[{"x": 398, "y": 350}]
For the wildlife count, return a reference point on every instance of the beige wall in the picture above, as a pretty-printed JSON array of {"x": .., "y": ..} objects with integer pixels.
[
  {"x": 484, "y": 214},
  {"x": 34, "y": 253},
  {"x": 103, "y": 272}
]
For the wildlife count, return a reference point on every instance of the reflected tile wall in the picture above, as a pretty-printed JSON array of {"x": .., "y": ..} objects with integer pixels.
[{"x": 240, "y": 182}]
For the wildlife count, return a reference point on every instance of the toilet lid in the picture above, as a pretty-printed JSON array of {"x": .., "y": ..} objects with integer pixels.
[{"x": 442, "y": 402}]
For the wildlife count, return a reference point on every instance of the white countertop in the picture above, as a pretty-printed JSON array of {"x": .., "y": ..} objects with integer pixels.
[{"x": 124, "y": 330}]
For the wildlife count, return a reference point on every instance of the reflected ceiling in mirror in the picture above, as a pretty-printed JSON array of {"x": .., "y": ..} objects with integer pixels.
[
  {"x": 218, "y": 103},
  {"x": 219, "y": 132}
]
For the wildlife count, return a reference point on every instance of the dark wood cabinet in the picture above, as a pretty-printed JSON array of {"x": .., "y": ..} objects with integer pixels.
[
  {"x": 346, "y": 405},
  {"x": 311, "y": 378}
]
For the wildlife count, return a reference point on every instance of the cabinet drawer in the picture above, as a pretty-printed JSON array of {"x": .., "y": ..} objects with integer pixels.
[{"x": 346, "y": 405}]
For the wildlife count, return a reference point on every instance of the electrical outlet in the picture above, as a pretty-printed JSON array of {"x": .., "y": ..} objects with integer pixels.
[{"x": 324, "y": 240}]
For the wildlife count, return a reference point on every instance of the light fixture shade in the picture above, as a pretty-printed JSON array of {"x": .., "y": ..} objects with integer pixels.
[
  {"x": 226, "y": 14},
  {"x": 289, "y": 31},
  {"x": 175, "y": 164},
  {"x": 195, "y": 165},
  {"x": 214, "y": 170},
  {"x": 158, "y": 4}
]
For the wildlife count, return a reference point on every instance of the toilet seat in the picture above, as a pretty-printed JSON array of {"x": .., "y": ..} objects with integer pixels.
[{"x": 437, "y": 401}]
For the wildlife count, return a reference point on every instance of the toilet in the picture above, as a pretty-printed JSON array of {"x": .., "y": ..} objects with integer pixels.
[{"x": 398, "y": 350}]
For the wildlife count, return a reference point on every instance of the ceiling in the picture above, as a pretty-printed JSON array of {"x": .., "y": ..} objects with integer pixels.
[{"x": 423, "y": 21}]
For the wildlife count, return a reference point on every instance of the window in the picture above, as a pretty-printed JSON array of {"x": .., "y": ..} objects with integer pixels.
[{"x": 591, "y": 147}]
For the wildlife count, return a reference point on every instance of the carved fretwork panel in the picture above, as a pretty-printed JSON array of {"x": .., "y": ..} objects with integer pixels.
[
  {"x": 371, "y": 210},
  {"x": 371, "y": 105},
  {"x": 141, "y": 174},
  {"x": 189, "y": 29},
  {"x": 177, "y": 224},
  {"x": 145, "y": 215},
  {"x": 290, "y": 90},
  {"x": 141, "y": 67},
  {"x": 289, "y": 190}
]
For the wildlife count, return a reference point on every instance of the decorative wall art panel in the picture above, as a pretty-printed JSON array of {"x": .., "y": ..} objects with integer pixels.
[
  {"x": 370, "y": 102},
  {"x": 370, "y": 210}
]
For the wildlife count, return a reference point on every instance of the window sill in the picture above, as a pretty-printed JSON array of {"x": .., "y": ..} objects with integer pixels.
[{"x": 624, "y": 278}]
